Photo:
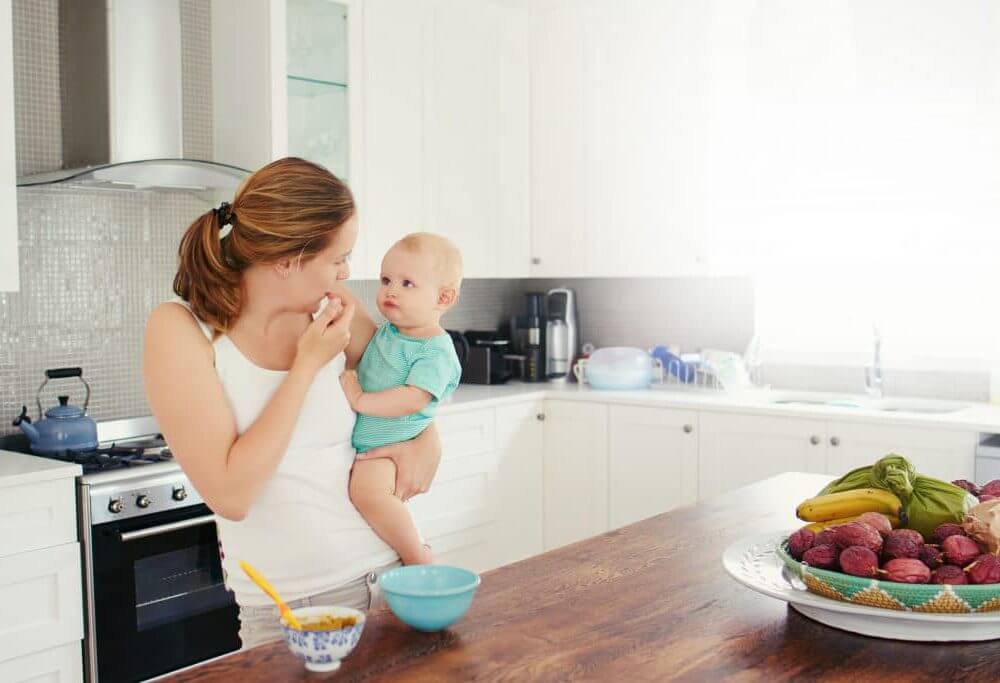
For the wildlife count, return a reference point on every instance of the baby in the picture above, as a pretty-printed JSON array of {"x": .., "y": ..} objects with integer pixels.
[{"x": 409, "y": 367}]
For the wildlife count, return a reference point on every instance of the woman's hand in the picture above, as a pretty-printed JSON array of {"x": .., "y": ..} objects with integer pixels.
[
  {"x": 416, "y": 462},
  {"x": 327, "y": 335}
]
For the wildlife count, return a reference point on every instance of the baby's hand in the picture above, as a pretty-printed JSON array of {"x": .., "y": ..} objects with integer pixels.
[{"x": 352, "y": 387}]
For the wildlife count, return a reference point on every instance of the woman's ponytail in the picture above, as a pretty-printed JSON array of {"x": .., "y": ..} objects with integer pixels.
[{"x": 205, "y": 278}]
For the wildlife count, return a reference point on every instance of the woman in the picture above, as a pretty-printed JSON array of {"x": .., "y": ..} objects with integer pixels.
[{"x": 244, "y": 384}]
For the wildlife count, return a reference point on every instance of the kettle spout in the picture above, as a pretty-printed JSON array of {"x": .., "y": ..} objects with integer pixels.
[{"x": 24, "y": 422}]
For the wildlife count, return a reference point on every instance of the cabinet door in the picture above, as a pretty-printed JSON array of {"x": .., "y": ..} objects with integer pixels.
[
  {"x": 937, "y": 453},
  {"x": 575, "y": 471},
  {"x": 520, "y": 528},
  {"x": 559, "y": 245},
  {"x": 460, "y": 129},
  {"x": 8, "y": 193},
  {"x": 652, "y": 462},
  {"x": 63, "y": 664},
  {"x": 394, "y": 172},
  {"x": 735, "y": 450}
]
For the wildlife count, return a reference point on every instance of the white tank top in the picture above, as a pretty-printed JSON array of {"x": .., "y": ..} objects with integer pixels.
[{"x": 302, "y": 533}]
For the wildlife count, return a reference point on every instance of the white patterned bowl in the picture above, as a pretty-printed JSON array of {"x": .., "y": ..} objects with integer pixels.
[{"x": 323, "y": 650}]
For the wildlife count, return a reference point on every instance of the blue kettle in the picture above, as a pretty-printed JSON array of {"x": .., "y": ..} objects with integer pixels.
[{"x": 64, "y": 427}]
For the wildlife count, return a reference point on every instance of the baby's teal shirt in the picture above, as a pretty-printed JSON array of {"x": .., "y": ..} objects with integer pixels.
[{"x": 392, "y": 360}]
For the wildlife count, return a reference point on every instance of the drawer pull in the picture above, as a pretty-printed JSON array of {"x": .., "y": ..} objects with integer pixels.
[{"x": 814, "y": 440}]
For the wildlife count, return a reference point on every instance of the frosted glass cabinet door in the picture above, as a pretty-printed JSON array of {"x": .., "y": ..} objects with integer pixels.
[
  {"x": 8, "y": 194},
  {"x": 318, "y": 125}
]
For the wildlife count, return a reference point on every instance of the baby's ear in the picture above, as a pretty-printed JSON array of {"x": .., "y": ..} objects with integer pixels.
[{"x": 447, "y": 296}]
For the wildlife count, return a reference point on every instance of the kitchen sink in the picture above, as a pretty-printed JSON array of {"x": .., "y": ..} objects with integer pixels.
[
  {"x": 917, "y": 406},
  {"x": 889, "y": 405}
]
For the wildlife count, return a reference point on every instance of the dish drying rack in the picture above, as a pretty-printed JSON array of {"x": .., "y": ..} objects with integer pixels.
[{"x": 700, "y": 375}]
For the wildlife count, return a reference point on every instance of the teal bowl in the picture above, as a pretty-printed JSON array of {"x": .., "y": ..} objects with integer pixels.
[{"x": 429, "y": 597}]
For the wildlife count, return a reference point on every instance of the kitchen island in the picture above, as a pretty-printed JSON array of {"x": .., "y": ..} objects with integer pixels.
[{"x": 646, "y": 602}]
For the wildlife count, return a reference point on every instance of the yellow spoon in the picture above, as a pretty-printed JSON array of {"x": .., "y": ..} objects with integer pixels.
[{"x": 286, "y": 612}]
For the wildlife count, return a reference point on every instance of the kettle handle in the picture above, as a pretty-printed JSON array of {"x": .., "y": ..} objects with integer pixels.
[{"x": 61, "y": 373}]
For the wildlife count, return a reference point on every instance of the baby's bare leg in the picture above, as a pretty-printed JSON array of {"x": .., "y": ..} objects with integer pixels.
[{"x": 372, "y": 486}]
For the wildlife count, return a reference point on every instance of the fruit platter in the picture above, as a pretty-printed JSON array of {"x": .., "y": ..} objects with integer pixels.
[{"x": 888, "y": 552}]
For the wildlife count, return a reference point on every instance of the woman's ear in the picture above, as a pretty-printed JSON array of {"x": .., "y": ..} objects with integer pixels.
[
  {"x": 283, "y": 268},
  {"x": 447, "y": 296}
]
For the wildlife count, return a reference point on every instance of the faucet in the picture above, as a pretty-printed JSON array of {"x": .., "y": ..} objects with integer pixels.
[{"x": 873, "y": 374}]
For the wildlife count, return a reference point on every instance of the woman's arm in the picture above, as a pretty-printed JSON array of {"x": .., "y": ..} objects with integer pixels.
[
  {"x": 362, "y": 328},
  {"x": 416, "y": 461},
  {"x": 191, "y": 408}
]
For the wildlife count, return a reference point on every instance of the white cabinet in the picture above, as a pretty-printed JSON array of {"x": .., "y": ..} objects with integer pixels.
[
  {"x": 937, "y": 453},
  {"x": 735, "y": 449},
  {"x": 63, "y": 664},
  {"x": 652, "y": 462},
  {"x": 41, "y": 595},
  {"x": 620, "y": 116},
  {"x": 8, "y": 192},
  {"x": 457, "y": 516},
  {"x": 295, "y": 93},
  {"x": 575, "y": 471},
  {"x": 446, "y": 129},
  {"x": 520, "y": 531}
]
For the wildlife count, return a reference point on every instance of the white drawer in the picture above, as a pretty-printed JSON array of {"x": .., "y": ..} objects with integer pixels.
[
  {"x": 468, "y": 433},
  {"x": 41, "y": 605},
  {"x": 63, "y": 664},
  {"x": 461, "y": 497},
  {"x": 37, "y": 515}
]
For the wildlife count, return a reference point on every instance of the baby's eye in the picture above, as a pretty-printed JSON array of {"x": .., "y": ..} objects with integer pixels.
[
  {"x": 408, "y": 283},
  {"x": 385, "y": 280}
]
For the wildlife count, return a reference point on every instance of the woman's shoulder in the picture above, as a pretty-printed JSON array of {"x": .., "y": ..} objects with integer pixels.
[{"x": 176, "y": 319}]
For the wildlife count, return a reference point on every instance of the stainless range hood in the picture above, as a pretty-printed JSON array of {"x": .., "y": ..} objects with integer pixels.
[{"x": 122, "y": 101}]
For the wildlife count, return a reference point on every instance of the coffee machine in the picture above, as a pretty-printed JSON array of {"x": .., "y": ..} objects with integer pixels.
[{"x": 561, "y": 334}]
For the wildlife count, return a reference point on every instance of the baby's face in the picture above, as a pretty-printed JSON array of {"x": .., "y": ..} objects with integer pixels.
[{"x": 410, "y": 293}]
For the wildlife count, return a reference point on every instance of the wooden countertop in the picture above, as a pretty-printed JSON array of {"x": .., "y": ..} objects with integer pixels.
[{"x": 647, "y": 602}]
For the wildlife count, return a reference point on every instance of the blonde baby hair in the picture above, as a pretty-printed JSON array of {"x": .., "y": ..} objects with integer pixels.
[{"x": 447, "y": 257}]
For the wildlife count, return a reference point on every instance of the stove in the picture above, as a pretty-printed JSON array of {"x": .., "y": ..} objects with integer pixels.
[{"x": 154, "y": 594}]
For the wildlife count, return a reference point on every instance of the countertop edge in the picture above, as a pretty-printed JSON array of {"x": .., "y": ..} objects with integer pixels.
[{"x": 20, "y": 468}]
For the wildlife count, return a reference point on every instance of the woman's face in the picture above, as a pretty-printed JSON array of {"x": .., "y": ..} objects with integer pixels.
[{"x": 309, "y": 281}]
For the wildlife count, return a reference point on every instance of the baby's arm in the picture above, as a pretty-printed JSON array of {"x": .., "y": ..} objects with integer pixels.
[{"x": 395, "y": 402}]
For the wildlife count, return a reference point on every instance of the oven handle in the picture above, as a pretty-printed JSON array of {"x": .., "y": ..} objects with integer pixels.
[{"x": 166, "y": 528}]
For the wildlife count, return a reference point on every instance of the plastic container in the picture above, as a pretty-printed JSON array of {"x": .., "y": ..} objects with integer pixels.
[{"x": 617, "y": 368}]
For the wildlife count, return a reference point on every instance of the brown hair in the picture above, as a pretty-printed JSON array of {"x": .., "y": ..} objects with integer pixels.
[{"x": 288, "y": 209}]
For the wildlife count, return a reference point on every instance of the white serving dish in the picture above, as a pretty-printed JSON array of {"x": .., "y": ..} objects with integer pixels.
[{"x": 753, "y": 562}]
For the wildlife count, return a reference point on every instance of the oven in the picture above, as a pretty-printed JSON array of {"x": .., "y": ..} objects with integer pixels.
[{"x": 156, "y": 597}]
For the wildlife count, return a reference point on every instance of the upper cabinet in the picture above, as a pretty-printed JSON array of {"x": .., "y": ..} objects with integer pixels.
[
  {"x": 8, "y": 193},
  {"x": 421, "y": 105},
  {"x": 619, "y": 122},
  {"x": 446, "y": 129}
]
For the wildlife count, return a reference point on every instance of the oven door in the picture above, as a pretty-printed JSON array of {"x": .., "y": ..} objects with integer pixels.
[{"x": 159, "y": 599}]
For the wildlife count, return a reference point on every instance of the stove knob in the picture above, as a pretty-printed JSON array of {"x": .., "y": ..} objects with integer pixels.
[
  {"x": 116, "y": 505},
  {"x": 180, "y": 494},
  {"x": 143, "y": 502}
]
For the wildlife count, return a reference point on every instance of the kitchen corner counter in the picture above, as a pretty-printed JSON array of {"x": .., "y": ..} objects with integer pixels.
[
  {"x": 19, "y": 468},
  {"x": 976, "y": 417},
  {"x": 650, "y": 601}
]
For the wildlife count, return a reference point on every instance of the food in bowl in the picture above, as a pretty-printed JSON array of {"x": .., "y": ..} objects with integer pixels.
[
  {"x": 429, "y": 597},
  {"x": 328, "y": 622},
  {"x": 321, "y": 649}
]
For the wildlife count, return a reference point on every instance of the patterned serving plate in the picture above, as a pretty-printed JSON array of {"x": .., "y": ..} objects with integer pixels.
[
  {"x": 755, "y": 563},
  {"x": 916, "y": 597}
]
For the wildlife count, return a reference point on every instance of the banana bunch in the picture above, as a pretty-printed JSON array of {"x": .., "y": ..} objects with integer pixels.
[{"x": 838, "y": 508}]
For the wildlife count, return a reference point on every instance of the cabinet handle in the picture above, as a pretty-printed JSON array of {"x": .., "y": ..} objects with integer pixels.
[
  {"x": 834, "y": 441},
  {"x": 814, "y": 440},
  {"x": 540, "y": 417},
  {"x": 536, "y": 261},
  {"x": 688, "y": 429}
]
